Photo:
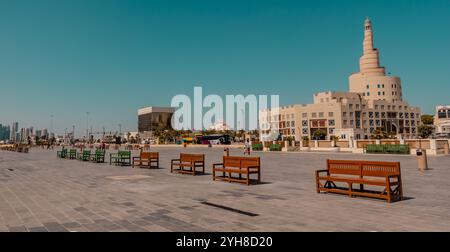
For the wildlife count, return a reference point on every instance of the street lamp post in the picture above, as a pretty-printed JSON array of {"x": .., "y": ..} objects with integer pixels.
[
  {"x": 87, "y": 126},
  {"x": 51, "y": 125}
]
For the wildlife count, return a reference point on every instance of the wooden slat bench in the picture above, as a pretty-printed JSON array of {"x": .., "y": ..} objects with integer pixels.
[
  {"x": 386, "y": 175},
  {"x": 190, "y": 161},
  {"x": 72, "y": 154},
  {"x": 98, "y": 156},
  {"x": 122, "y": 158},
  {"x": 240, "y": 166},
  {"x": 146, "y": 159},
  {"x": 84, "y": 155}
]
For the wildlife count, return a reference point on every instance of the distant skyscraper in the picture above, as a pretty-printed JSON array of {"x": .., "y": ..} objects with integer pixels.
[
  {"x": 4, "y": 132},
  {"x": 44, "y": 133},
  {"x": 14, "y": 131}
]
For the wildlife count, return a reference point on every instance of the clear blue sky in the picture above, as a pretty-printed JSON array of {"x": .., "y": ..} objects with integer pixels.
[{"x": 111, "y": 57}]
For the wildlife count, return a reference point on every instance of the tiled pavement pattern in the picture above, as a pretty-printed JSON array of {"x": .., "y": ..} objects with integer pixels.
[{"x": 40, "y": 193}]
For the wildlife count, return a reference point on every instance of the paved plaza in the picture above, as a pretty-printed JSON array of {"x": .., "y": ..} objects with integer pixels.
[{"x": 39, "y": 192}]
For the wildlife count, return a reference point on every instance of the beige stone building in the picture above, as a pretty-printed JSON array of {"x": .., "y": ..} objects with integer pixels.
[
  {"x": 374, "y": 101},
  {"x": 442, "y": 120}
]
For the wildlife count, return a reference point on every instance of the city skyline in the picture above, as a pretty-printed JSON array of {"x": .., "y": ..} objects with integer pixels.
[{"x": 68, "y": 58}]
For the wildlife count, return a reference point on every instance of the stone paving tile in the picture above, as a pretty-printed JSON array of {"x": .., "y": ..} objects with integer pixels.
[
  {"x": 42, "y": 193},
  {"x": 54, "y": 227},
  {"x": 18, "y": 229},
  {"x": 38, "y": 229}
]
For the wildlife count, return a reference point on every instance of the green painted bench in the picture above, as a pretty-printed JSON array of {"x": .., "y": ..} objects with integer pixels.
[
  {"x": 62, "y": 153},
  {"x": 120, "y": 158},
  {"x": 98, "y": 156},
  {"x": 84, "y": 156}
]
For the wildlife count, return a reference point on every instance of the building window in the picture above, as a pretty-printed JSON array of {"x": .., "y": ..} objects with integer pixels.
[
  {"x": 351, "y": 122},
  {"x": 368, "y": 93},
  {"x": 378, "y": 85},
  {"x": 292, "y": 131},
  {"x": 320, "y": 114},
  {"x": 314, "y": 115},
  {"x": 382, "y": 86},
  {"x": 344, "y": 114},
  {"x": 367, "y": 86},
  {"x": 304, "y": 115},
  {"x": 305, "y": 131},
  {"x": 376, "y": 106},
  {"x": 293, "y": 124},
  {"x": 379, "y": 93},
  {"x": 382, "y": 106},
  {"x": 331, "y": 122},
  {"x": 330, "y": 131},
  {"x": 305, "y": 123},
  {"x": 351, "y": 114},
  {"x": 330, "y": 114},
  {"x": 345, "y": 122},
  {"x": 370, "y": 114},
  {"x": 350, "y": 106},
  {"x": 288, "y": 124},
  {"x": 377, "y": 114},
  {"x": 357, "y": 106}
]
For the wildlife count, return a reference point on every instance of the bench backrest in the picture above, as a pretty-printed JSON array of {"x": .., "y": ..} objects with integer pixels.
[
  {"x": 86, "y": 152},
  {"x": 250, "y": 162},
  {"x": 230, "y": 161},
  {"x": 192, "y": 157},
  {"x": 149, "y": 155},
  {"x": 241, "y": 162},
  {"x": 99, "y": 153},
  {"x": 380, "y": 169},
  {"x": 124, "y": 154},
  {"x": 363, "y": 168}
]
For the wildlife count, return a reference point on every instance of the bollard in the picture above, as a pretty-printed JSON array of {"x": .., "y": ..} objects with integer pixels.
[
  {"x": 226, "y": 152},
  {"x": 422, "y": 162}
]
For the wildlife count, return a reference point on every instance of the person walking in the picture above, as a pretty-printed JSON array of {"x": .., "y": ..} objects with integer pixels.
[{"x": 247, "y": 147}]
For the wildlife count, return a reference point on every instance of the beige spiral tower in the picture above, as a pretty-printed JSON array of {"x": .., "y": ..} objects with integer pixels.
[{"x": 371, "y": 81}]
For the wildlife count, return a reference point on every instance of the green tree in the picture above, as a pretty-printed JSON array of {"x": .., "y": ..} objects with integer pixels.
[
  {"x": 380, "y": 134},
  {"x": 427, "y": 119},
  {"x": 320, "y": 134},
  {"x": 425, "y": 131}
]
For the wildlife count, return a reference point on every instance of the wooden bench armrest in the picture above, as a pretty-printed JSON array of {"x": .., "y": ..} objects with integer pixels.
[
  {"x": 173, "y": 160},
  {"x": 198, "y": 162},
  {"x": 320, "y": 171},
  {"x": 217, "y": 164},
  {"x": 253, "y": 167},
  {"x": 388, "y": 178}
]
